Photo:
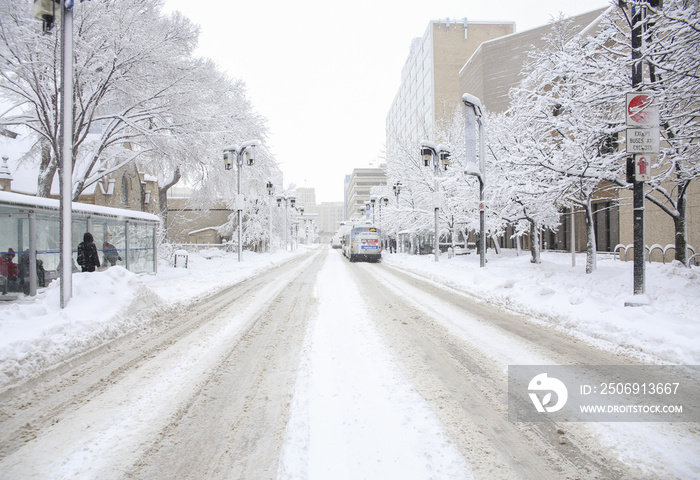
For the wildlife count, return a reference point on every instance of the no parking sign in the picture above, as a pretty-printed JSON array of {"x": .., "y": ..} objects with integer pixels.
[{"x": 642, "y": 116}]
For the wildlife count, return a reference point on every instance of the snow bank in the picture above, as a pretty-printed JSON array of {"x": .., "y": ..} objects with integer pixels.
[{"x": 589, "y": 306}]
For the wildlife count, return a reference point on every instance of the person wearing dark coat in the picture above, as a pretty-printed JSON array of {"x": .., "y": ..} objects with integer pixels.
[{"x": 87, "y": 254}]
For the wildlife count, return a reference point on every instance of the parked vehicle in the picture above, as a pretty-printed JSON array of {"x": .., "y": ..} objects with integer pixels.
[{"x": 363, "y": 244}]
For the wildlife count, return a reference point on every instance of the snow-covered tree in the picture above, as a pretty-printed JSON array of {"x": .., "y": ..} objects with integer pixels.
[
  {"x": 139, "y": 95},
  {"x": 525, "y": 195},
  {"x": 570, "y": 97}
]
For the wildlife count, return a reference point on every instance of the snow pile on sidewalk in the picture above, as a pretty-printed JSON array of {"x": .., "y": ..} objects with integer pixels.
[
  {"x": 589, "y": 306},
  {"x": 36, "y": 334}
]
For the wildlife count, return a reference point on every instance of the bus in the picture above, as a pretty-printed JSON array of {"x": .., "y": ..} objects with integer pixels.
[{"x": 363, "y": 243}]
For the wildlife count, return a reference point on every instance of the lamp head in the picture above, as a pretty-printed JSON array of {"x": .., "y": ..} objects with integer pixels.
[
  {"x": 248, "y": 154},
  {"x": 228, "y": 159},
  {"x": 426, "y": 154},
  {"x": 473, "y": 102}
]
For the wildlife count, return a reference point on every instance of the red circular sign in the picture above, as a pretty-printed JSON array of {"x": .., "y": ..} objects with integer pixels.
[{"x": 638, "y": 109}]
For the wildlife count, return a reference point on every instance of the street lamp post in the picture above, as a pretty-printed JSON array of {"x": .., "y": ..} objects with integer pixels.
[
  {"x": 288, "y": 200},
  {"x": 240, "y": 153},
  {"x": 301, "y": 211},
  {"x": 438, "y": 155},
  {"x": 397, "y": 193},
  {"x": 473, "y": 104},
  {"x": 380, "y": 199},
  {"x": 270, "y": 191},
  {"x": 47, "y": 12}
]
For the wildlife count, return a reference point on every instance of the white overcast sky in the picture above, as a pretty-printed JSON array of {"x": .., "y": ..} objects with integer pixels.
[{"x": 324, "y": 72}]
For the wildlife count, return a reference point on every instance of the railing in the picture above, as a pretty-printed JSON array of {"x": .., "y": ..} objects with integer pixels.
[{"x": 651, "y": 249}]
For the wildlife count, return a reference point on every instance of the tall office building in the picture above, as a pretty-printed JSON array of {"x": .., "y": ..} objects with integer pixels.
[
  {"x": 357, "y": 189},
  {"x": 430, "y": 89}
]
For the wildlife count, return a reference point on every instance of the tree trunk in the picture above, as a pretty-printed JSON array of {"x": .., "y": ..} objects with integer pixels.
[
  {"x": 591, "y": 257},
  {"x": 47, "y": 171},
  {"x": 681, "y": 225},
  {"x": 163, "y": 197},
  {"x": 535, "y": 243}
]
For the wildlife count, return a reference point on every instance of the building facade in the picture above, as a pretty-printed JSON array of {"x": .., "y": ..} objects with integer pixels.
[
  {"x": 357, "y": 189},
  {"x": 496, "y": 64},
  {"x": 430, "y": 86},
  {"x": 330, "y": 216}
]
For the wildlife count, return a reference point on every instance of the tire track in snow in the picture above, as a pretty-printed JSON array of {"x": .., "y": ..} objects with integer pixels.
[{"x": 354, "y": 414}]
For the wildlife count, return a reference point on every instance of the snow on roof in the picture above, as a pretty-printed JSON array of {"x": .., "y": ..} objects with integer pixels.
[
  {"x": 29, "y": 201},
  {"x": 194, "y": 232}
]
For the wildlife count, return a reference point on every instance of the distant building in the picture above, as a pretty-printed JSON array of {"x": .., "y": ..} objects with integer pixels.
[
  {"x": 330, "y": 215},
  {"x": 357, "y": 189},
  {"x": 325, "y": 217},
  {"x": 306, "y": 197}
]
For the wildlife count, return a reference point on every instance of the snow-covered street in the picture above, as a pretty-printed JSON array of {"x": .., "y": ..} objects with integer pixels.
[{"x": 307, "y": 366}]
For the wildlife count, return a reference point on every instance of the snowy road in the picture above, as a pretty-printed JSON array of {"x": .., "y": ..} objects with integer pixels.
[{"x": 315, "y": 369}]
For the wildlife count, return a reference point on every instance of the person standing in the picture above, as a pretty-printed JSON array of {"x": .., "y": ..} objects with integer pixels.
[
  {"x": 9, "y": 271},
  {"x": 87, "y": 254}
]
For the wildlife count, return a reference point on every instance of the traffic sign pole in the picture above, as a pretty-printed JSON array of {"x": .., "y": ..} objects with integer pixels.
[{"x": 634, "y": 115}]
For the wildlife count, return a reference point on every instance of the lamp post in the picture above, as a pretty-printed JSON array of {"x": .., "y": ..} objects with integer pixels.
[
  {"x": 474, "y": 111},
  {"x": 270, "y": 190},
  {"x": 439, "y": 156},
  {"x": 379, "y": 199},
  {"x": 47, "y": 12},
  {"x": 301, "y": 211},
  {"x": 288, "y": 200},
  {"x": 239, "y": 154},
  {"x": 397, "y": 192}
]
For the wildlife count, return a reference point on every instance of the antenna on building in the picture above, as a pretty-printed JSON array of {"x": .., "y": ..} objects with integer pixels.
[{"x": 465, "y": 28}]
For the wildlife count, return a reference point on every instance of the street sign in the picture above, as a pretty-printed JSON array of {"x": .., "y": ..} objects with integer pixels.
[
  {"x": 643, "y": 140},
  {"x": 641, "y": 111},
  {"x": 642, "y": 167}
]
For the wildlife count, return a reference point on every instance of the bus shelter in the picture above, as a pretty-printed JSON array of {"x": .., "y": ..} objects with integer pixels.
[{"x": 30, "y": 238}]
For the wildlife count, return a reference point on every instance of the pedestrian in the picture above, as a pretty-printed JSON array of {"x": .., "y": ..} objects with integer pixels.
[
  {"x": 110, "y": 253},
  {"x": 9, "y": 270},
  {"x": 87, "y": 254}
]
